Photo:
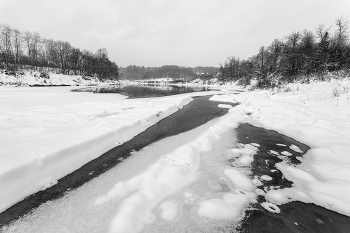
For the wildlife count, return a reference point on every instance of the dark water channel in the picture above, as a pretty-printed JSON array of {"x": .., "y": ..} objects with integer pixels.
[
  {"x": 295, "y": 217},
  {"x": 143, "y": 91}
]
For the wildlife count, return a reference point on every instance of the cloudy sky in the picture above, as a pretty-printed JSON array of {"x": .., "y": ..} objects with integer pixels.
[{"x": 164, "y": 32}]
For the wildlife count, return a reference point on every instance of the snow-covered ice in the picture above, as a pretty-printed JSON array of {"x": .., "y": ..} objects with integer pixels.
[
  {"x": 278, "y": 144},
  {"x": 271, "y": 207},
  {"x": 266, "y": 177},
  {"x": 47, "y": 133},
  {"x": 312, "y": 115},
  {"x": 273, "y": 152},
  {"x": 295, "y": 148},
  {"x": 286, "y": 153}
]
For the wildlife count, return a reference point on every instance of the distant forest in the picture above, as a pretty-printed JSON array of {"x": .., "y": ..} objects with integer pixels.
[
  {"x": 28, "y": 50},
  {"x": 133, "y": 72},
  {"x": 298, "y": 54}
]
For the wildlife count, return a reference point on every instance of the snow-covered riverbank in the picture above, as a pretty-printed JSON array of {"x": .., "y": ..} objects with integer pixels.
[
  {"x": 36, "y": 78},
  {"x": 317, "y": 114}
]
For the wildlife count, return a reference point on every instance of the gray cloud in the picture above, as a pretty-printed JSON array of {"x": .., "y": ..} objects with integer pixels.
[{"x": 158, "y": 32}]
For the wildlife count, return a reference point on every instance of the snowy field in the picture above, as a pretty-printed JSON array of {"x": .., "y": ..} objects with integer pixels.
[{"x": 184, "y": 184}]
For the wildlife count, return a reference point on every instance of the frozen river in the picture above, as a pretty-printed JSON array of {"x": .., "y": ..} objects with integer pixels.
[{"x": 220, "y": 175}]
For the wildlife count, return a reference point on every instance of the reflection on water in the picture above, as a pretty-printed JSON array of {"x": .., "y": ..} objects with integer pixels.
[{"x": 143, "y": 91}]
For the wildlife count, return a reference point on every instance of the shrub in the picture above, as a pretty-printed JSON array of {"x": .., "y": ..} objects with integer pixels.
[{"x": 336, "y": 92}]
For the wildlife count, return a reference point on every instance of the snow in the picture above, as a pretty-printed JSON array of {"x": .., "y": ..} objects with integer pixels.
[
  {"x": 295, "y": 148},
  {"x": 273, "y": 152},
  {"x": 278, "y": 144},
  {"x": 222, "y": 98},
  {"x": 266, "y": 177},
  {"x": 169, "y": 210},
  {"x": 271, "y": 207},
  {"x": 32, "y": 77},
  {"x": 192, "y": 175},
  {"x": 311, "y": 114},
  {"x": 239, "y": 180},
  {"x": 229, "y": 206},
  {"x": 286, "y": 153},
  {"x": 260, "y": 192},
  {"x": 243, "y": 156},
  {"x": 185, "y": 180},
  {"x": 171, "y": 173},
  {"x": 46, "y": 133},
  {"x": 225, "y": 106}
]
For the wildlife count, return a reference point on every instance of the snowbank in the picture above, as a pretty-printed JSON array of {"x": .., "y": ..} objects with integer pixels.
[
  {"x": 317, "y": 114},
  {"x": 47, "y": 133},
  {"x": 35, "y": 78}
]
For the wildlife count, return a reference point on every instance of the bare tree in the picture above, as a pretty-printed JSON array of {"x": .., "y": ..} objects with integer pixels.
[
  {"x": 63, "y": 49},
  {"x": 28, "y": 38},
  {"x": 6, "y": 45},
  {"x": 17, "y": 44}
]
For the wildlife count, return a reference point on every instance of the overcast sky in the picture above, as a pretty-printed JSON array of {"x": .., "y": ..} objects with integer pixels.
[{"x": 170, "y": 32}]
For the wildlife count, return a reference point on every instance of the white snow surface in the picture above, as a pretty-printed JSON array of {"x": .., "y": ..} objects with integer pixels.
[
  {"x": 32, "y": 77},
  {"x": 309, "y": 113},
  {"x": 173, "y": 172},
  {"x": 314, "y": 115},
  {"x": 203, "y": 204},
  {"x": 48, "y": 132}
]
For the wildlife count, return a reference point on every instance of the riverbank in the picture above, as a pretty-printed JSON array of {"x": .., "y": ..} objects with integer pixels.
[{"x": 45, "y": 79}]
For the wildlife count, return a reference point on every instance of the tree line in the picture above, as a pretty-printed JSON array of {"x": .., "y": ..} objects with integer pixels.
[
  {"x": 133, "y": 72},
  {"x": 298, "y": 54},
  {"x": 28, "y": 50}
]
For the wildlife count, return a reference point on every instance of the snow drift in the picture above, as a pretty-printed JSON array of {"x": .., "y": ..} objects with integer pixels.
[{"x": 42, "y": 142}]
